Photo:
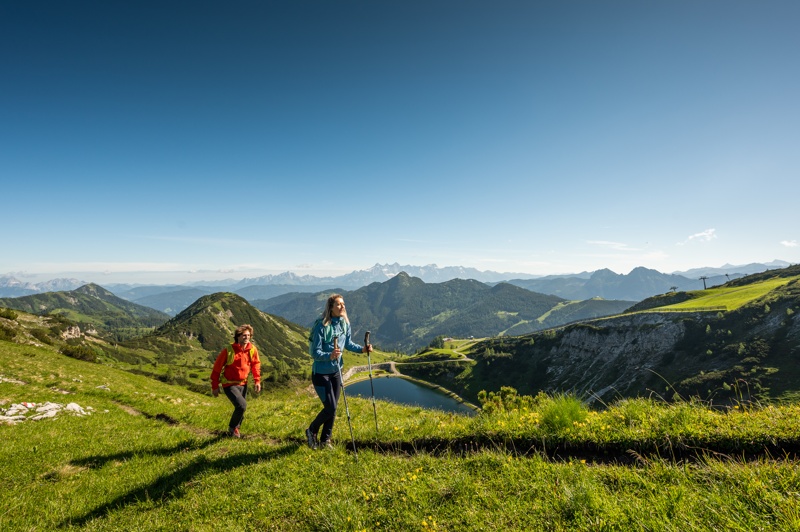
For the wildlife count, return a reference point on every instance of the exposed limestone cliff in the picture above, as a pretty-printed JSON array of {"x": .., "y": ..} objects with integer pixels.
[
  {"x": 749, "y": 353},
  {"x": 614, "y": 355}
]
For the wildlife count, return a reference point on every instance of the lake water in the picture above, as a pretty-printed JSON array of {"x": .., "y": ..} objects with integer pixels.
[{"x": 409, "y": 393}]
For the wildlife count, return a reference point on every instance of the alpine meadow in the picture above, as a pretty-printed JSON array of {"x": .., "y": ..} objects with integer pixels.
[
  {"x": 679, "y": 411},
  {"x": 359, "y": 266}
]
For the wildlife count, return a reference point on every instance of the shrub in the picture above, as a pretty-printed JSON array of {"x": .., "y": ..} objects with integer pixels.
[
  {"x": 437, "y": 343},
  {"x": 562, "y": 412},
  {"x": 8, "y": 314},
  {"x": 7, "y": 333},
  {"x": 81, "y": 352},
  {"x": 43, "y": 335},
  {"x": 505, "y": 400}
]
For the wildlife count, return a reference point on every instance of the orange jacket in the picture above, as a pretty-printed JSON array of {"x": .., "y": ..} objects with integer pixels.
[{"x": 236, "y": 373}]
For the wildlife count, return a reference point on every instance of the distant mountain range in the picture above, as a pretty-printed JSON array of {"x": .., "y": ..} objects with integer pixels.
[
  {"x": 92, "y": 324},
  {"x": 736, "y": 355},
  {"x": 10, "y": 286},
  {"x": 93, "y": 308},
  {"x": 405, "y": 313},
  {"x": 635, "y": 286},
  {"x": 720, "y": 356},
  {"x": 641, "y": 283}
]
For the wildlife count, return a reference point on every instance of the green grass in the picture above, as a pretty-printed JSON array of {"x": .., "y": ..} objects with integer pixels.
[
  {"x": 728, "y": 297},
  {"x": 151, "y": 457},
  {"x": 558, "y": 306},
  {"x": 360, "y": 359},
  {"x": 433, "y": 354}
]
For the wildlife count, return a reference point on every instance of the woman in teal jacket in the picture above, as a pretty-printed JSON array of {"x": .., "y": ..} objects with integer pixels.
[{"x": 325, "y": 372}]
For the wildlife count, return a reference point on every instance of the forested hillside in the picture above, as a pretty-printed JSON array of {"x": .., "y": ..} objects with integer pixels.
[
  {"x": 208, "y": 325},
  {"x": 405, "y": 313},
  {"x": 93, "y": 308},
  {"x": 752, "y": 352}
]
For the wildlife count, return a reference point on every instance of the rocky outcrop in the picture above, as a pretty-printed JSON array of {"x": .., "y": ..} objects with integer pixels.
[
  {"x": 750, "y": 353},
  {"x": 615, "y": 355},
  {"x": 71, "y": 332},
  {"x": 26, "y": 411}
]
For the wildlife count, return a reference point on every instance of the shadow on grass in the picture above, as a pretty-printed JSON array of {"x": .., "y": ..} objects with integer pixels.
[
  {"x": 617, "y": 453},
  {"x": 96, "y": 462},
  {"x": 171, "y": 485}
]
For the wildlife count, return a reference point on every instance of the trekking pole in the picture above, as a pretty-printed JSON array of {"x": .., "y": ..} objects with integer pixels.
[
  {"x": 344, "y": 394},
  {"x": 371, "y": 386}
]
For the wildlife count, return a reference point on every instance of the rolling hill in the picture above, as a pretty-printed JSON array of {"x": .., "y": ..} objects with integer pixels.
[
  {"x": 93, "y": 308},
  {"x": 751, "y": 352},
  {"x": 180, "y": 351},
  {"x": 207, "y": 326},
  {"x": 405, "y": 313}
]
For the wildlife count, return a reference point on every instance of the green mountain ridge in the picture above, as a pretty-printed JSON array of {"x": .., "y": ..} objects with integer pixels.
[
  {"x": 405, "y": 313},
  {"x": 93, "y": 308},
  {"x": 750, "y": 353},
  {"x": 208, "y": 324},
  {"x": 180, "y": 351}
]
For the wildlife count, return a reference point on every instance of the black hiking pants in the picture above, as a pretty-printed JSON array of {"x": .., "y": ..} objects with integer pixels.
[
  {"x": 327, "y": 387},
  {"x": 237, "y": 395}
]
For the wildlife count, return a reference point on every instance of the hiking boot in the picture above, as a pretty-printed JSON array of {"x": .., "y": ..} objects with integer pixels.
[
  {"x": 326, "y": 444},
  {"x": 235, "y": 433},
  {"x": 311, "y": 438}
]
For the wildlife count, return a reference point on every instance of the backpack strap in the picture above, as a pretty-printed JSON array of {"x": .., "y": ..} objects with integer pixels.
[
  {"x": 231, "y": 352},
  {"x": 327, "y": 332}
]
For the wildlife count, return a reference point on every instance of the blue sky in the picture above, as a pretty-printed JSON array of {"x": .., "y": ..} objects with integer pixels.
[{"x": 179, "y": 141}]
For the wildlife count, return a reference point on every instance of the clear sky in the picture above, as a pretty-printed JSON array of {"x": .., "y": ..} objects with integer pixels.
[{"x": 172, "y": 141}]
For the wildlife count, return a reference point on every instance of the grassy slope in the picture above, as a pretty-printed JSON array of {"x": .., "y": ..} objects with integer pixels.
[
  {"x": 728, "y": 297},
  {"x": 151, "y": 458},
  {"x": 92, "y": 307},
  {"x": 720, "y": 349}
]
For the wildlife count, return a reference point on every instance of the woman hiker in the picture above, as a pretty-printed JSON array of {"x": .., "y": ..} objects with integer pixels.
[
  {"x": 326, "y": 370},
  {"x": 231, "y": 368}
]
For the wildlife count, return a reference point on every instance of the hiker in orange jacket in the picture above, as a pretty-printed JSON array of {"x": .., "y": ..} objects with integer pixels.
[{"x": 233, "y": 365}]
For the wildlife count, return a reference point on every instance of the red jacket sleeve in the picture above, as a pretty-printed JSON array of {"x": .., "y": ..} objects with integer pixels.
[
  {"x": 256, "y": 366},
  {"x": 219, "y": 364}
]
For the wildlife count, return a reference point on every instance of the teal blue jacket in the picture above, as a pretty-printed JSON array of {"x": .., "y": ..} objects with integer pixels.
[{"x": 321, "y": 345}]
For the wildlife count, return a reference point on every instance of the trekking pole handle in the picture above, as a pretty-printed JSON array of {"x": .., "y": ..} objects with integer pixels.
[
  {"x": 336, "y": 342},
  {"x": 366, "y": 339}
]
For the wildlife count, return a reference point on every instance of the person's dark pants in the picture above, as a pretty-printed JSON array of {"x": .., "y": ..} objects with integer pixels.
[
  {"x": 328, "y": 388},
  {"x": 237, "y": 395}
]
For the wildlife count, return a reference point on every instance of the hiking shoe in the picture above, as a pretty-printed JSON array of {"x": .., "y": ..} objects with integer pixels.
[
  {"x": 311, "y": 438},
  {"x": 235, "y": 433},
  {"x": 326, "y": 444}
]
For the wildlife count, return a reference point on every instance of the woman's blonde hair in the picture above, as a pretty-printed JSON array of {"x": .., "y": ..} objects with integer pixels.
[{"x": 326, "y": 314}]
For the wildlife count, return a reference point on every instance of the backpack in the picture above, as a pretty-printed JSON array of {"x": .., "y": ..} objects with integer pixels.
[
  {"x": 231, "y": 355},
  {"x": 327, "y": 333}
]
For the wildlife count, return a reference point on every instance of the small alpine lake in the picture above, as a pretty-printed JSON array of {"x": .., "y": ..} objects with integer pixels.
[{"x": 404, "y": 391}]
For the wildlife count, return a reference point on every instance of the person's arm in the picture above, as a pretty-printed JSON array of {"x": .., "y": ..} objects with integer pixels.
[
  {"x": 351, "y": 345},
  {"x": 317, "y": 347},
  {"x": 256, "y": 369},
  {"x": 219, "y": 364}
]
